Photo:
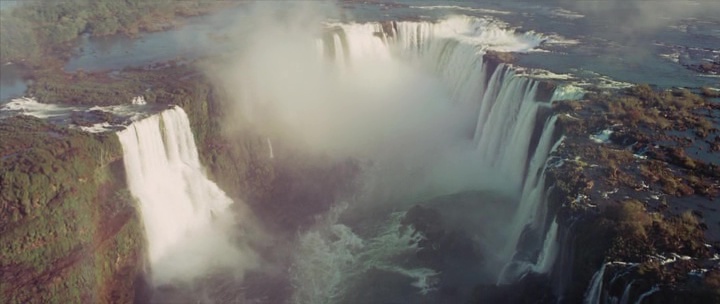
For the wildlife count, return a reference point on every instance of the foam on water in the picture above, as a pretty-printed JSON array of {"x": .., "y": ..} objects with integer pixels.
[
  {"x": 62, "y": 114},
  {"x": 479, "y": 32},
  {"x": 568, "y": 92},
  {"x": 601, "y": 138},
  {"x": 568, "y": 14},
  {"x": 331, "y": 258},
  {"x": 30, "y": 106}
]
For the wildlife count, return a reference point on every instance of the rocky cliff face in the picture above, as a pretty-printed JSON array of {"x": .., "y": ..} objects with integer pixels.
[
  {"x": 69, "y": 231},
  {"x": 632, "y": 199},
  {"x": 69, "y": 225}
]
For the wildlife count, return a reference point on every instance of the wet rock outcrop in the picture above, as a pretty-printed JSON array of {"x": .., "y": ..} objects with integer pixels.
[{"x": 708, "y": 67}]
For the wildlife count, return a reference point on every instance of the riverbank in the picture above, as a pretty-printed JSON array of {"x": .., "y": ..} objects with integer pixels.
[
  {"x": 39, "y": 34},
  {"x": 625, "y": 177},
  {"x": 632, "y": 183}
]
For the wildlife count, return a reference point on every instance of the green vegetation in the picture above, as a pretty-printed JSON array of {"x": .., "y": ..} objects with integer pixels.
[
  {"x": 639, "y": 233},
  {"x": 38, "y": 159},
  {"x": 168, "y": 84},
  {"x": 68, "y": 228},
  {"x": 52, "y": 87},
  {"x": 237, "y": 162},
  {"x": 70, "y": 231},
  {"x": 650, "y": 123},
  {"x": 38, "y": 28},
  {"x": 643, "y": 108}
]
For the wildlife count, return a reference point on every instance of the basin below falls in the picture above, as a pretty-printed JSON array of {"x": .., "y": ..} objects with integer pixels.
[{"x": 451, "y": 145}]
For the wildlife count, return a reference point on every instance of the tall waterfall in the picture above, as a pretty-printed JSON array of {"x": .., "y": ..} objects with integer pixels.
[
  {"x": 184, "y": 213},
  {"x": 426, "y": 113},
  {"x": 511, "y": 132},
  {"x": 594, "y": 291},
  {"x": 506, "y": 104}
]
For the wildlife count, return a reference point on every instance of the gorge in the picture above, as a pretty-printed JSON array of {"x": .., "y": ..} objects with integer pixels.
[{"x": 316, "y": 161}]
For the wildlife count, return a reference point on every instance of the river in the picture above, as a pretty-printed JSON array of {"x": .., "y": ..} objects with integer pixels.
[{"x": 586, "y": 45}]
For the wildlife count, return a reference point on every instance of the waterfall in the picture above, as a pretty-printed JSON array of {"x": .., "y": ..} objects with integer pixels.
[
  {"x": 339, "y": 54},
  {"x": 642, "y": 297},
  {"x": 270, "y": 148},
  {"x": 594, "y": 291},
  {"x": 183, "y": 212},
  {"x": 506, "y": 122},
  {"x": 626, "y": 294},
  {"x": 507, "y": 110},
  {"x": 494, "y": 127},
  {"x": 562, "y": 270},
  {"x": 453, "y": 49},
  {"x": 549, "y": 251},
  {"x": 531, "y": 211}
]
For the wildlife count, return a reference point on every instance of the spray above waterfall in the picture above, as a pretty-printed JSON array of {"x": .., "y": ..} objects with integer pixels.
[
  {"x": 388, "y": 152},
  {"x": 417, "y": 105}
]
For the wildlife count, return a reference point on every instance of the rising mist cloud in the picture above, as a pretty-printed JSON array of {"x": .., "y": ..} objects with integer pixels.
[
  {"x": 631, "y": 17},
  {"x": 395, "y": 117}
]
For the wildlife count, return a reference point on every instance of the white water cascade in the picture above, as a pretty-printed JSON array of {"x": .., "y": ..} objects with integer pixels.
[
  {"x": 549, "y": 251},
  {"x": 413, "y": 99},
  {"x": 508, "y": 112},
  {"x": 642, "y": 297},
  {"x": 453, "y": 49},
  {"x": 594, "y": 291},
  {"x": 183, "y": 212},
  {"x": 626, "y": 293}
]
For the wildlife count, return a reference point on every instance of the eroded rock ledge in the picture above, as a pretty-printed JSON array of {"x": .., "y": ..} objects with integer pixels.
[{"x": 636, "y": 178}]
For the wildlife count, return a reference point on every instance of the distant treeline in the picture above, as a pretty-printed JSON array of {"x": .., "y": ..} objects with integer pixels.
[{"x": 35, "y": 28}]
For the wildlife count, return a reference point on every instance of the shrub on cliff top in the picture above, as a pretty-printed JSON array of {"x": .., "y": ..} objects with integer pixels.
[
  {"x": 631, "y": 217},
  {"x": 639, "y": 233}
]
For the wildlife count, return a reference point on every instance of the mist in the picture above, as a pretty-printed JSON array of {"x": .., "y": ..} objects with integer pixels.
[
  {"x": 216, "y": 248},
  {"x": 396, "y": 118},
  {"x": 635, "y": 17},
  {"x": 383, "y": 160},
  {"x": 410, "y": 108}
]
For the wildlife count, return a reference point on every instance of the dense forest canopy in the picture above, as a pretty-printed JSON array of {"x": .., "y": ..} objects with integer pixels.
[{"x": 33, "y": 28}]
